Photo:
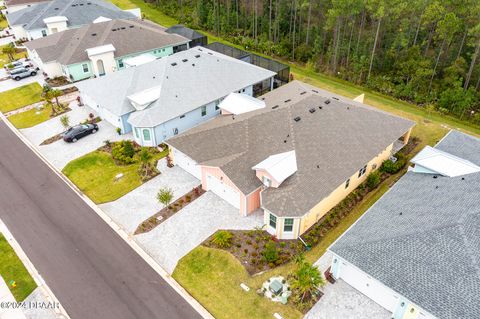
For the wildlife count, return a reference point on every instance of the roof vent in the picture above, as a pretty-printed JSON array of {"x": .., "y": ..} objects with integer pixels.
[
  {"x": 197, "y": 56},
  {"x": 131, "y": 27},
  {"x": 174, "y": 63},
  {"x": 274, "y": 107},
  {"x": 210, "y": 53},
  {"x": 348, "y": 107},
  {"x": 114, "y": 30},
  {"x": 284, "y": 141},
  {"x": 286, "y": 101},
  {"x": 123, "y": 28},
  {"x": 435, "y": 176},
  {"x": 320, "y": 107},
  {"x": 81, "y": 4},
  {"x": 56, "y": 9},
  {"x": 327, "y": 102},
  {"x": 335, "y": 98},
  {"x": 193, "y": 64},
  {"x": 303, "y": 92},
  {"x": 184, "y": 60},
  {"x": 297, "y": 119},
  {"x": 315, "y": 91},
  {"x": 94, "y": 34},
  {"x": 89, "y": 3},
  {"x": 312, "y": 110}
]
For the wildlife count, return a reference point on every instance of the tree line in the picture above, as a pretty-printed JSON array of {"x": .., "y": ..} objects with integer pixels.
[{"x": 422, "y": 51}]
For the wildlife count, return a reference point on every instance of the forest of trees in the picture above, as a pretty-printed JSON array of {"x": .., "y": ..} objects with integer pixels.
[{"x": 422, "y": 51}]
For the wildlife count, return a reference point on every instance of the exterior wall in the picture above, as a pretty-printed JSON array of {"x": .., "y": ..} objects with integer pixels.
[
  {"x": 192, "y": 118},
  {"x": 126, "y": 127},
  {"x": 253, "y": 200},
  {"x": 56, "y": 27},
  {"x": 139, "y": 134},
  {"x": 52, "y": 69},
  {"x": 261, "y": 173},
  {"x": 105, "y": 114},
  {"x": 109, "y": 63},
  {"x": 159, "y": 52},
  {"x": 398, "y": 305},
  {"x": 19, "y": 32},
  {"x": 341, "y": 192},
  {"x": 279, "y": 230},
  {"x": 75, "y": 71},
  {"x": 35, "y": 34}
]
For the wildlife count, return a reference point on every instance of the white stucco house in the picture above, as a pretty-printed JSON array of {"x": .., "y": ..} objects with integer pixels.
[
  {"x": 44, "y": 18},
  {"x": 416, "y": 251},
  {"x": 168, "y": 96}
]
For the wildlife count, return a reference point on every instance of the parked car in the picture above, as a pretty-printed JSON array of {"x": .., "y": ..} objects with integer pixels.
[
  {"x": 23, "y": 66},
  {"x": 18, "y": 64},
  {"x": 21, "y": 73},
  {"x": 75, "y": 133}
]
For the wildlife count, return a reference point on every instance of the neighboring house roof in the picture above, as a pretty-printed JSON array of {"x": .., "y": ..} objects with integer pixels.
[
  {"x": 11, "y": 3},
  {"x": 238, "y": 103},
  {"x": 421, "y": 238},
  {"x": 330, "y": 144},
  {"x": 185, "y": 32},
  {"x": 187, "y": 81},
  {"x": 126, "y": 36},
  {"x": 78, "y": 13}
]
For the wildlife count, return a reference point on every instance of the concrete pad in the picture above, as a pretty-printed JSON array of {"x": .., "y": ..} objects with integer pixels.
[
  {"x": 37, "y": 297},
  {"x": 6, "y": 296},
  {"x": 133, "y": 208},
  {"x": 189, "y": 227},
  {"x": 343, "y": 301},
  {"x": 12, "y": 84}
]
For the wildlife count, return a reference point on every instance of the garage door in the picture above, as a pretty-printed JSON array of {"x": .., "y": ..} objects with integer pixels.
[
  {"x": 368, "y": 286},
  {"x": 187, "y": 163},
  {"x": 224, "y": 191}
]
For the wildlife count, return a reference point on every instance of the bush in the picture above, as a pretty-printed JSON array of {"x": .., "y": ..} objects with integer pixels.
[
  {"x": 123, "y": 152},
  {"x": 222, "y": 239},
  {"x": 373, "y": 180},
  {"x": 270, "y": 253},
  {"x": 392, "y": 168}
]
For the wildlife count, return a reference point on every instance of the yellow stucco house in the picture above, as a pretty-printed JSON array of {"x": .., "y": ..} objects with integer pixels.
[{"x": 295, "y": 154}]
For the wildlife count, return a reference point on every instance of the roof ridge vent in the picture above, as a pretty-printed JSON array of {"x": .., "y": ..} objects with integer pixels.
[
  {"x": 312, "y": 110},
  {"x": 274, "y": 107},
  {"x": 327, "y": 101},
  {"x": 184, "y": 60},
  {"x": 288, "y": 100},
  {"x": 173, "y": 64},
  {"x": 297, "y": 119}
]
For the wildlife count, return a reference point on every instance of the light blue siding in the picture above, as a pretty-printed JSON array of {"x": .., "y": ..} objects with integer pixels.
[{"x": 127, "y": 127}]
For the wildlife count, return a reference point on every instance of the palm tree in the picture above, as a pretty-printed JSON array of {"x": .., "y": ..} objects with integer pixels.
[
  {"x": 9, "y": 51},
  {"x": 306, "y": 280},
  {"x": 56, "y": 94},
  {"x": 145, "y": 157},
  {"x": 47, "y": 98}
]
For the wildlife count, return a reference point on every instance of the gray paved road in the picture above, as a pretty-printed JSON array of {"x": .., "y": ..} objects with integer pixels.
[{"x": 91, "y": 270}]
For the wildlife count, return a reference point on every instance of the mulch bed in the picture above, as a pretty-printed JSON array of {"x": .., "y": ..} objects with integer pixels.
[
  {"x": 248, "y": 246},
  {"x": 169, "y": 211},
  {"x": 57, "y": 81}
]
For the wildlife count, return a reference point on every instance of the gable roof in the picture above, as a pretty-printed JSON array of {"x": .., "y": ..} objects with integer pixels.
[
  {"x": 78, "y": 13},
  {"x": 422, "y": 237},
  {"x": 238, "y": 103},
  {"x": 279, "y": 166},
  {"x": 330, "y": 144},
  {"x": 188, "y": 80},
  {"x": 126, "y": 36}
]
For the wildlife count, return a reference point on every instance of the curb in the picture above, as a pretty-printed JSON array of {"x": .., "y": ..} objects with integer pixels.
[{"x": 117, "y": 228}]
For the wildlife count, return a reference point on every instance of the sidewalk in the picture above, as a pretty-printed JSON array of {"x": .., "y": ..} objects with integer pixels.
[{"x": 7, "y": 297}]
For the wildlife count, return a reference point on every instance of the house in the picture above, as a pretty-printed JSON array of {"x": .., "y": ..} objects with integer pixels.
[
  {"x": 295, "y": 158},
  {"x": 416, "y": 251},
  {"x": 16, "y": 5},
  {"x": 100, "y": 48},
  {"x": 160, "y": 99},
  {"x": 44, "y": 18},
  {"x": 195, "y": 37}
]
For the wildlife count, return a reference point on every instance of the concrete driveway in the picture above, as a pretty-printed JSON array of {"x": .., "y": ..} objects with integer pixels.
[
  {"x": 132, "y": 209},
  {"x": 9, "y": 84},
  {"x": 61, "y": 153},
  {"x": 342, "y": 301},
  {"x": 189, "y": 227}
]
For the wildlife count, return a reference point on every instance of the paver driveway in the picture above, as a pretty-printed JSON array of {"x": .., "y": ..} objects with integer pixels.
[
  {"x": 342, "y": 301},
  {"x": 133, "y": 208},
  {"x": 189, "y": 227},
  {"x": 60, "y": 153}
]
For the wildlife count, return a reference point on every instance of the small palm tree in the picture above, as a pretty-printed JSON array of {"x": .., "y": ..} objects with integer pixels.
[
  {"x": 55, "y": 94},
  {"x": 47, "y": 98},
  {"x": 165, "y": 196},
  {"x": 306, "y": 280},
  {"x": 9, "y": 51},
  {"x": 146, "y": 166},
  {"x": 65, "y": 120}
]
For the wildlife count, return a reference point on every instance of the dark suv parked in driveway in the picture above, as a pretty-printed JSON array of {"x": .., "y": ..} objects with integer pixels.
[
  {"x": 20, "y": 73},
  {"x": 75, "y": 133}
]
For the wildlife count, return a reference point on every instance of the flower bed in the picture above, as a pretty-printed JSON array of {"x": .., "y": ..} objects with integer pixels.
[{"x": 169, "y": 211}]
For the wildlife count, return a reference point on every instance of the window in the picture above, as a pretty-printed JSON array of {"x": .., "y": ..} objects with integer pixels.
[
  {"x": 204, "y": 110},
  {"x": 288, "y": 225},
  {"x": 347, "y": 183},
  {"x": 266, "y": 181},
  {"x": 120, "y": 63},
  {"x": 362, "y": 171},
  {"x": 216, "y": 105},
  {"x": 273, "y": 221},
  {"x": 137, "y": 132},
  {"x": 182, "y": 116},
  {"x": 85, "y": 68},
  {"x": 146, "y": 135},
  {"x": 44, "y": 33}
]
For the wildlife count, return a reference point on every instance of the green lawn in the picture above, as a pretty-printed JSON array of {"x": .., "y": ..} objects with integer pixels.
[
  {"x": 4, "y": 58},
  {"x": 150, "y": 11},
  {"x": 11, "y": 268},
  {"x": 94, "y": 174},
  {"x": 3, "y": 23},
  {"x": 20, "y": 97},
  {"x": 213, "y": 277},
  {"x": 31, "y": 117}
]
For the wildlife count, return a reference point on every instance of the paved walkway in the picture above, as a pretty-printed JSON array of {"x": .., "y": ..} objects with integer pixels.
[
  {"x": 6, "y": 296},
  {"x": 67, "y": 98},
  {"x": 60, "y": 153},
  {"x": 188, "y": 228},
  {"x": 132, "y": 209},
  {"x": 37, "y": 297}
]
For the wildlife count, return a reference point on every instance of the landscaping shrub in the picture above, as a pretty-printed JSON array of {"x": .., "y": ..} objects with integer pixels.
[
  {"x": 123, "y": 152},
  {"x": 392, "y": 168},
  {"x": 270, "y": 253},
  {"x": 222, "y": 239},
  {"x": 373, "y": 180}
]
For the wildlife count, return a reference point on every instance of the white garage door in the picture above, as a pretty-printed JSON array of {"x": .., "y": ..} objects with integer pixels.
[
  {"x": 187, "y": 163},
  {"x": 369, "y": 286},
  {"x": 224, "y": 191}
]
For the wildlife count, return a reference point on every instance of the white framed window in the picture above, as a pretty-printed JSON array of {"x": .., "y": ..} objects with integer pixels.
[
  {"x": 266, "y": 181},
  {"x": 362, "y": 171},
  {"x": 273, "y": 221},
  {"x": 146, "y": 134},
  {"x": 120, "y": 63},
  {"x": 85, "y": 68},
  {"x": 288, "y": 225},
  {"x": 204, "y": 110},
  {"x": 347, "y": 183},
  {"x": 44, "y": 33}
]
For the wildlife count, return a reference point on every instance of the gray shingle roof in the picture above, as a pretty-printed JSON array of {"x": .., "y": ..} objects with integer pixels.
[
  {"x": 10, "y": 3},
  {"x": 127, "y": 36},
  {"x": 204, "y": 77},
  {"x": 330, "y": 144},
  {"x": 78, "y": 12},
  {"x": 431, "y": 252}
]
